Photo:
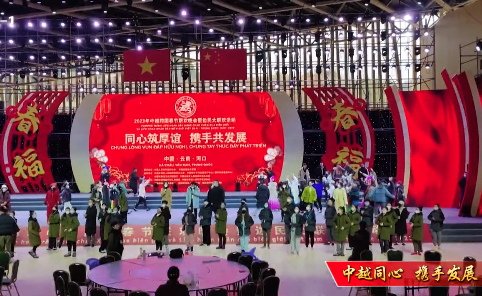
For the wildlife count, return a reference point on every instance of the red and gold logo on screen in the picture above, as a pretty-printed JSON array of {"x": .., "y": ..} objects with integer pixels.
[{"x": 230, "y": 137}]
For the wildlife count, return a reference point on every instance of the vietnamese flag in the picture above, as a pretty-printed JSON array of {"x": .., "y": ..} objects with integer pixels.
[
  {"x": 147, "y": 65},
  {"x": 223, "y": 64}
]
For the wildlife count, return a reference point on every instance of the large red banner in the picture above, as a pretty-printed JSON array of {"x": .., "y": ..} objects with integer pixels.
[
  {"x": 141, "y": 235},
  {"x": 182, "y": 138}
]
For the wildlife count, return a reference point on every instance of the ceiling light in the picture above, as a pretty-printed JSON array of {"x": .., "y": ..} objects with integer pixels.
[
  {"x": 241, "y": 21},
  {"x": 30, "y": 25},
  {"x": 11, "y": 57},
  {"x": 79, "y": 57},
  {"x": 97, "y": 72},
  {"x": 30, "y": 41},
  {"x": 44, "y": 57},
  {"x": 427, "y": 66},
  {"x": 79, "y": 24},
  {"x": 112, "y": 89},
  {"x": 341, "y": 19},
  {"x": 425, "y": 33},
  {"x": 32, "y": 57},
  {"x": 62, "y": 25},
  {"x": 222, "y": 38},
  {"x": 94, "y": 89},
  {"x": 393, "y": 18},
  {"x": 478, "y": 45},
  {"x": 259, "y": 37},
  {"x": 128, "y": 23},
  {"x": 78, "y": 40},
  {"x": 62, "y": 40},
  {"x": 110, "y": 40},
  {"x": 129, "y": 39},
  {"x": 275, "y": 20},
  {"x": 326, "y": 19},
  {"x": 96, "y": 40},
  {"x": 43, "y": 24},
  {"x": 258, "y": 21},
  {"x": 261, "y": 7},
  {"x": 197, "y": 22},
  {"x": 139, "y": 47},
  {"x": 293, "y": 20},
  {"x": 148, "y": 39},
  {"x": 427, "y": 49},
  {"x": 183, "y": 12},
  {"x": 160, "y": 88},
  {"x": 359, "y": 19},
  {"x": 110, "y": 24},
  {"x": 211, "y": 30},
  {"x": 96, "y": 24},
  {"x": 407, "y": 17},
  {"x": 211, "y": 87},
  {"x": 11, "y": 41},
  {"x": 307, "y": 20},
  {"x": 96, "y": 56},
  {"x": 62, "y": 57},
  {"x": 171, "y": 23}
]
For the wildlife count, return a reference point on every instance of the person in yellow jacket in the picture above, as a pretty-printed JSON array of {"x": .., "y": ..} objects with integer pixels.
[
  {"x": 308, "y": 197},
  {"x": 339, "y": 195}
]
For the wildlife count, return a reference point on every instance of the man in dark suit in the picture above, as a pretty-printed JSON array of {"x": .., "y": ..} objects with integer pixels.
[
  {"x": 216, "y": 196},
  {"x": 172, "y": 286}
]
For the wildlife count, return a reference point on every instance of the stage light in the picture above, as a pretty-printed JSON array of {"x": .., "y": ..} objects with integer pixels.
[
  {"x": 96, "y": 40},
  {"x": 427, "y": 66},
  {"x": 258, "y": 86},
  {"x": 326, "y": 19},
  {"x": 244, "y": 86},
  {"x": 183, "y": 12},
  {"x": 222, "y": 38},
  {"x": 276, "y": 86},
  {"x": 81, "y": 89},
  {"x": 211, "y": 30},
  {"x": 478, "y": 45},
  {"x": 112, "y": 89},
  {"x": 43, "y": 24},
  {"x": 78, "y": 40},
  {"x": 62, "y": 25},
  {"x": 96, "y": 56},
  {"x": 366, "y": 2},
  {"x": 79, "y": 57},
  {"x": 241, "y": 21},
  {"x": 259, "y": 37},
  {"x": 128, "y": 23},
  {"x": 44, "y": 57},
  {"x": 359, "y": 18},
  {"x": 258, "y": 21},
  {"x": 374, "y": 18},
  {"x": 407, "y": 17},
  {"x": 192, "y": 87},
  {"x": 393, "y": 18},
  {"x": 97, "y": 72},
  {"x": 94, "y": 90},
  {"x": 126, "y": 88},
  {"x": 160, "y": 88},
  {"x": 11, "y": 57},
  {"x": 260, "y": 8},
  {"x": 172, "y": 23},
  {"x": 148, "y": 40},
  {"x": 110, "y": 40},
  {"x": 211, "y": 87},
  {"x": 62, "y": 40},
  {"x": 241, "y": 38},
  {"x": 30, "y": 41},
  {"x": 79, "y": 24},
  {"x": 96, "y": 24},
  {"x": 427, "y": 49},
  {"x": 197, "y": 22},
  {"x": 139, "y": 47},
  {"x": 159, "y": 32},
  {"x": 10, "y": 41},
  {"x": 129, "y": 39},
  {"x": 293, "y": 20},
  {"x": 425, "y": 33},
  {"x": 307, "y": 20},
  {"x": 111, "y": 24},
  {"x": 341, "y": 19},
  {"x": 62, "y": 57},
  {"x": 30, "y": 25},
  {"x": 226, "y": 87},
  {"x": 32, "y": 57}
]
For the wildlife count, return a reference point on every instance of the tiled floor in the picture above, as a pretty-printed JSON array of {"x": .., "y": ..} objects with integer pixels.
[{"x": 304, "y": 274}]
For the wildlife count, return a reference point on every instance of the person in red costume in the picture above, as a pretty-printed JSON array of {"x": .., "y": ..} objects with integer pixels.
[{"x": 52, "y": 199}]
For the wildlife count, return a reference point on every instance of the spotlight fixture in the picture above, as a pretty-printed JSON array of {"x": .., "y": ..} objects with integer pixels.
[
  {"x": 184, "y": 12},
  {"x": 62, "y": 25},
  {"x": 139, "y": 47},
  {"x": 359, "y": 18},
  {"x": 341, "y": 19},
  {"x": 478, "y": 45},
  {"x": 258, "y": 21},
  {"x": 79, "y": 24},
  {"x": 96, "y": 40},
  {"x": 197, "y": 22},
  {"x": 30, "y": 41},
  {"x": 222, "y": 38},
  {"x": 96, "y": 24},
  {"x": 366, "y": 2},
  {"x": 30, "y": 25},
  {"x": 241, "y": 21},
  {"x": 326, "y": 19},
  {"x": 427, "y": 66},
  {"x": 110, "y": 24},
  {"x": 172, "y": 23},
  {"x": 293, "y": 20},
  {"x": 407, "y": 17},
  {"x": 425, "y": 33},
  {"x": 308, "y": 20},
  {"x": 43, "y": 24},
  {"x": 211, "y": 30}
]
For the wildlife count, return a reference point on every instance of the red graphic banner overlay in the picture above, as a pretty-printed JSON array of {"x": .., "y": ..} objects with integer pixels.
[
  {"x": 434, "y": 135},
  {"x": 24, "y": 153},
  {"x": 182, "y": 138},
  {"x": 404, "y": 273},
  {"x": 343, "y": 119},
  {"x": 141, "y": 235}
]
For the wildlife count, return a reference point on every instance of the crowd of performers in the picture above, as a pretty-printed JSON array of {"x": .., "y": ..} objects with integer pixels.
[{"x": 355, "y": 202}]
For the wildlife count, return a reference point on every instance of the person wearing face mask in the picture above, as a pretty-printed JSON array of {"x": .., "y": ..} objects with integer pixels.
[
  {"x": 105, "y": 175},
  {"x": 380, "y": 195},
  {"x": 104, "y": 212},
  {"x": 437, "y": 219},
  {"x": 66, "y": 195},
  {"x": 205, "y": 215},
  {"x": 115, "y": 241},
  {"x": 221, "y": 218},
  {"x": 52, "y": 199},
  {"x": 216, "y": 196},
  {"x": 294, "y": 186},
  {"x": 309, "y": 221},
  {"x": 262, "y": 197},
  {"x": 273, "y": 201},
  {"x": 109, "y": 218},
  {"x": 296, "y": 228},
  {"x": 341, "y": 225},
  {"x": 123, "y": 205},
  {"x": 330, "y": 214},
  {"x": 266, "y": 218},
  {"x": 71, "y": 230},
  {"x": 142, "y": 199},
  {"x": 385, "y": 224},
  {"x": 355, "y": 219},
  {"x": 158, "y": 224},
  {"x": 192, "y": 197},
  {"x": 54, "y": 229},
  {"x": 288, "y": 210},
  {"x": 96, "y": 196},
  {"x": 242, "y": 206},
  {"x": 284, "y": 194},
  {"x": 113, "y": 196},
  {"x": 115, "y": 216},
  {"x": 308, "y": 197},
  {"x": 244, "y": 222},
  {"x": 33, "y": 233},
  {"x": 14, "y": 235},
  {"x": 90, "y": 224},
  {"x": 166, "y": 212},
  {"x": 339, "y": 195},
  {"x": 63, "y": 223},
  {"x": 394, "y": 216},
  {"x": 166, "y": 194},
  {"x": 8, "y": 227},
  {"x": 367, "y": 216},
  {"x": 5, "y": 200},
  {"x": 416, "y": 233},
  {"x": 401, "y": 224},
  {"x": 188, "y": 225}
]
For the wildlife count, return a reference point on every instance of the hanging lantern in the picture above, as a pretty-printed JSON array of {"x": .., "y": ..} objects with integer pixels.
[{"x": 270, "y": 109}]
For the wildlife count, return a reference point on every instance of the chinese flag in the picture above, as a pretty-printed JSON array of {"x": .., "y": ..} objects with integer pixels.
[
  {"x": 147, "y": 65},
  {"x": 223, "y": 64}
]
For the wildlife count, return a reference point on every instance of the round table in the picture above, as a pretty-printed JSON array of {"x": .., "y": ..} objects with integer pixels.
[{"x": 147, "y": 275}]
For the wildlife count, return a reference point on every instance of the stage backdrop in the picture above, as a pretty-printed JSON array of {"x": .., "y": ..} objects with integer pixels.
[{"x": 230, "y": 137}]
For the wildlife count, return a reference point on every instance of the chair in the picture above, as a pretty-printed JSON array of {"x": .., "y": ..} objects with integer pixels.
[
  {"x": 395, "y": 255},
  {"x": 256, "y": 269},
  {"x": 438, "y": 291},
  {"x": 234, "y": 256},
  {"x": 139, "y": 293},
  {"x": 116, "y": 256},
  {"x": 97, "y": 292},
  {"x": 270, "y": 286},
  {"x": 5, "y": 261},
  {"x": 74, "y": 289},
  {"x": 248, "y": 289},
  {"x": 106, "y": 259},
  {"x": 267, "y": 272},
  {"x": 60, "y": 286},
  {"x": 366, "y": 255},
  {"x": 218, "y": 292},
  {"x": 92, "y": 263},
  {"x": 432, "y": 256},
  {"x": 65, "y": 279},
  {"x": 246, "y": 261},
  {"x": 468, "y": 261},
  {"x": 379, "y": 291},
  {"x": 78, "y": 274},
  {"x": 12, "y": 281}
]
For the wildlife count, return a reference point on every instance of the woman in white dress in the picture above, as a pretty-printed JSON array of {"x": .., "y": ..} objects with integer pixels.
[
  {"x": 273, "y": 201},
  {"x": 295, "y": 191}
]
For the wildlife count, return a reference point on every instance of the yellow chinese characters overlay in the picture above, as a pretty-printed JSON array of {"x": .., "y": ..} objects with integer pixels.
[
  {"x": 28, "y": 121},
  {"x": 28, "y": 165}
]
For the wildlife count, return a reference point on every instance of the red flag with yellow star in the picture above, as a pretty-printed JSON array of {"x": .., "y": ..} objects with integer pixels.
[
  {"x": 147, "y": 65},
  {"x": 223, "y": 64}
]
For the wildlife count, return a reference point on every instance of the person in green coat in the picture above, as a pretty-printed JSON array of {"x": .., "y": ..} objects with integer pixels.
[
  {"x": 417, "y": 231},
  {"x": 266, "y": 218},
  {"x": 54, "y": 229},
  {"x": 283, "y": 194},
  {"x": 385, "y": 224},
  {"x": 355, "y": 219},
  {"x": 244, "y": 222},
  {"x": 63, "y": 221},
  {"x": 33, "y": 233},
  {"x": 71, "y": 229},
  {"x": 107, "y": 228},
  {"x": 394, "y": 216},
  {"x": 341, "y": 225},
  {"x": 308, "y": 197},
  {"x": 123, "y": 206},
  {"x": 158, "y": 222},
  {"x": 221, "y": 218}
]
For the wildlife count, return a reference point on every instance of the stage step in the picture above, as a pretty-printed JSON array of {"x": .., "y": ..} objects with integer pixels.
[{"x": 461, "y": 233}]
